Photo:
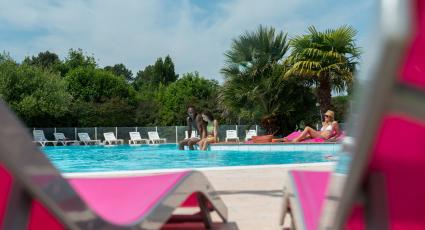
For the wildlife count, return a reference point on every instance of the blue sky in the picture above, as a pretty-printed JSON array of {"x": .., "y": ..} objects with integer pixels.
[{"x": 195, "y": 33}]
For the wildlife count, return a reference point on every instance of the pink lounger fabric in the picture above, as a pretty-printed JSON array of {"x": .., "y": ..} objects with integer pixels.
[
  {"x": 6, "y": 183},
  {"x": 311, "y": 188},
  {"x": 117, "y": 200},
  {"x": 295, "y": 134},
  {"x": 124, "y": 200},
  {"x": 394, "y": 168},
  {"x": 412, "y": 72},
  {"x": 402, "y": 165}
]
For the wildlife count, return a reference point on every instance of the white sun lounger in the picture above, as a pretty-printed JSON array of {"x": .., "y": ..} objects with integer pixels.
[
  {"x": 154, "y": 138},
  {"x": 39, "y": 138},
  {"x": 135, "y": 139},
  {"x": 61, "y": 139},
  {"x": 186, "y": 134},
  {"x": 250, "y": 133},
  {"x": 86, "y": 140},
  {"x": 232, "y": 135},
  {"x": 110, "y": 139}
]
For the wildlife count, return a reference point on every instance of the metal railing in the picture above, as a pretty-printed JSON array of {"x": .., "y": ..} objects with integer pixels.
[{"x": 173, "y": 134}]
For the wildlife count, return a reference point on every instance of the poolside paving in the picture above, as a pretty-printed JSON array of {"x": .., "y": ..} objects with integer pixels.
[{"x": 254, "y": 196}]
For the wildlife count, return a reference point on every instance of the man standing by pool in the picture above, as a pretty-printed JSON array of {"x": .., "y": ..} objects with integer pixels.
[{"x": 194, "y": 122}]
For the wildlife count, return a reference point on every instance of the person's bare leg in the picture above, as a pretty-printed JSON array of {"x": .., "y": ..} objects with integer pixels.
[
  {"x": 192, "y": 142},
  {"x": 201, "y": 144},
  {"x": 307, "y": 132},
  {"x": 183, "y": 143},
  {"x": 206, "y": 143}
]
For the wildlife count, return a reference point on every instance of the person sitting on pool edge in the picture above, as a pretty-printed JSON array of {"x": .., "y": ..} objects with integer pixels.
[
  {"x": 194, "y": 121},
  {"x": 211, "y": 131},
  {"x": 330, "y": 129}
]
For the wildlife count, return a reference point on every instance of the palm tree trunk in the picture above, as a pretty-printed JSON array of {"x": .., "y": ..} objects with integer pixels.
[{"x": 324, "y": 93}]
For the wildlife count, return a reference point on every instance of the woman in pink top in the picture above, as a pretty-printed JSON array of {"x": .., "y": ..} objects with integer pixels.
[{"x": 330, "y": 128}]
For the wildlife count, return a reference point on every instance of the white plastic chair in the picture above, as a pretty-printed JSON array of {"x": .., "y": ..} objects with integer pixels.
[
  {"x": 232, "y": 135},
  {"x": 60, "y": 138},
  {"x": 194, "y": 134},
  {"x": 86, "y": 140},
  {"x": 250, "y": 133},
  {"x": 39, "y": 138},
  {"x": 154, "y": 138},
  {"x": 110, "y": 139},
  {"x": 135, "y": 139}
]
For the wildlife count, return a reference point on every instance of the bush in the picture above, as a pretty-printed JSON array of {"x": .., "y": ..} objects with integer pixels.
[{"x": 36, "y": 95}]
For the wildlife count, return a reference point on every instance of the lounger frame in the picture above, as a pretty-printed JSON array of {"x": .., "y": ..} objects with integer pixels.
[
  {"x": 61, "y": 139},
  {"x": 86, "y": 140},
  {"x": 110, "y": 139},
  {"x": 42, "y": 141},
  {"x": 386, "y": 95},
  {"x": 232, "y": 135},
  {"x": 155, "y": 139},
  {"x": 28, "y": 165},
  {"x": 136, "y": 139}
]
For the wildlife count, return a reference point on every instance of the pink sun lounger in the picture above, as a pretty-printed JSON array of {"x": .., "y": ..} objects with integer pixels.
[
  {"x": 295, "y": 134},
  {"x": 383, "y": 187},
  {"x": 33, "y": 194}
]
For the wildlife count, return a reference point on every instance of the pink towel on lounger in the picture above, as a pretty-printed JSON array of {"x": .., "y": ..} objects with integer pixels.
[{"x": 295, "y": 134}]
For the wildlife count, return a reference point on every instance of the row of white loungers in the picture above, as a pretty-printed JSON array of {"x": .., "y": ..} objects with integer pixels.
[{"x": 85, "y": 139}]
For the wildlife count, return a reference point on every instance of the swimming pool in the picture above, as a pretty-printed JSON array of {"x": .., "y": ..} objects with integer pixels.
[{"x": 70, "y": 159}]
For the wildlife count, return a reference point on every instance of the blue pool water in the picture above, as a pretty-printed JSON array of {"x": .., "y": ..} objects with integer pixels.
[{"x": 125, "y": 157}]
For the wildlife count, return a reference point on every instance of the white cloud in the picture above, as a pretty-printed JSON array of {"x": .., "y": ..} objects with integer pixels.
[{"x": 137, "y": 32}]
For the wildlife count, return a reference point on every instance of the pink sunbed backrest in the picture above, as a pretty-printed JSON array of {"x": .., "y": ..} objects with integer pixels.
[
  {"x": 6, "y": 186},
  {"x": 308, "y": 197},
  {"x": 402, "y": 166},
  {"x": 403, "y": 163},
  {"x": 135, "y": 195},
  {"x": 398, "y": 154},
  {"x": 413, "y": 69},
  {"x": 39, "y": 218}
]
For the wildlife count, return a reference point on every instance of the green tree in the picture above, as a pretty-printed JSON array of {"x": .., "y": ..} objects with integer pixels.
[
  {"x": 5, "y": 56},
  {"x": 96, "y": 85},
  {"x": 45, "y": 60},
  {"x": 113, "y": 112},
  {"x": 325, "y": 59},
  {"x": 121, "y": 70},
  {"x": 340, "y": 105},
  {"x": 168, "y": 73},
  {"x": 36, "y": 95},
  {"x": 191, "y": 89},
  {"x": 75, "y": 59},
  {"x": 162, "y": 72},
  {"x": 253, "y": 87},
  {"x": 278, "y": 104}
]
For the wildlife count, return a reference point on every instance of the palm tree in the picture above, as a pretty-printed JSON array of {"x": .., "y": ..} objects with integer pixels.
[
  {"x": 254, "y": 88},
  {"x": 249, "y": 61},
  {"x": 325, "y": 59}
]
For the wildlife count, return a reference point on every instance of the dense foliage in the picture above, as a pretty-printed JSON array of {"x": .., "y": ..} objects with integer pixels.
[
  {"x": 46, "y": 91},
  {"x": 35, "y": 94},
  {"x": 254, "y": 88}
]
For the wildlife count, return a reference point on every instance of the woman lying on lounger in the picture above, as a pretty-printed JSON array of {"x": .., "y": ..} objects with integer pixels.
[{"x": 330, "y": 129}]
